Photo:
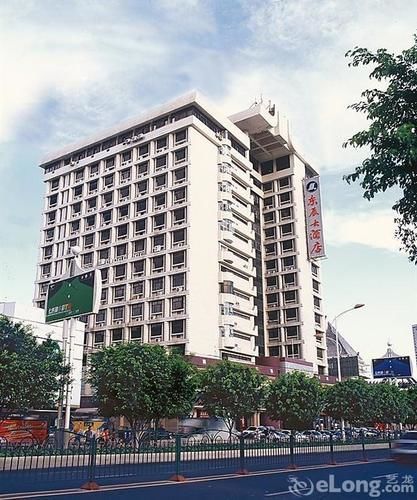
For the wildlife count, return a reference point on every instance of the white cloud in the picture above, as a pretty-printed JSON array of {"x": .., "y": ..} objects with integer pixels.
[{"x": 373, "y": 228}]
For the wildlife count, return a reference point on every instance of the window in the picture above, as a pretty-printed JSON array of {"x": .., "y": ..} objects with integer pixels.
[
  {"x": 227, "y": 287},
  {"x": 120, "y": 271},
  {"x": 271, "y": 249},
  {"x": 118, "y": 313},
  {"x": 94, "y": 169},
  {"x": 156, "y": 331},
  {"x": 269, "y": 217},
  {"x": 267, "y": 167},
  {"x": 271, "y": 266},
  {"x": 89, "y": 241},
  {"x": 274, "y": 334},
  {"x": 178, "y": 237},
  {"x": 122, "y": 231},
  {"x": 292, "y": 332},
  {"x": 138, "y": 268},
  {"x": 178, "y": 259},
  {"x": 137, "y": 289},
  {"x": 179, "y": 195},
  {"x": 139, "y": 246},
  {"x": 76, "y": 209},
  {"x": 283, "y": 163},
  {"x": 127, "y": 156},
  {"x": 140, "y": 227},
  {"x": 90, "y": 222},
  {"x": 123, "y": 212},
  {"x": 142, "y": 169},
  {"x": 270, "y": 233},
  {"x": 79, "y": 175},
  {"x": 104, "y": 295},
  {"x": 269, "y": 202},
  {"x": 158, "y": 263},
  {"x": 179, "y": 175},
  {"x": 110, "y": 163},
  {"x": 53, "y": 184},
  {"x": 121, "y": 250},
  {"x": 285, "y": 214},
  {"x": 177, "y": 328},
  {"x": 156, "y": 309},
  {"x": 124, "y": 193},
  {"x": 288, "y": 263},
  {"x": 227, "y": 309},
  {"x": 106, "y": 217},
  {"x": 178, "y": 282},
  {"x": 272, "y": 299},
  {"x": 99, "y": 338},
  {"x": 275, "y": 351},
  {"x": 273, "y": 316},
  {"x": 92, "y": 187},
  {"x": 291, "y": 314},
  {"x": 105, "y": 236},
  {"x": 75, "y": 227},
  {"x": 46, "y": 270},
  {"x": 178, "y": 305},
  {"x": 49, "y": 234},
  {"x": 159, "y": 221},
  {"x": 109, "y": 181},
  {"x": 317, "y": 319},
  {"x": 136, "y": 333},
  {"x": 136, "y": 311},
  {"x": 286, "y": 230},
  {"x": 317, "y": 302},
  {"x": 267, "y": 186},
  {"x": 91, "y": 204},
  {"x": 161, "y": 162},
  {"x": 119, "y": 293},
  {"x": 125, "y": 175},
  {"x": 141, "y": 188},
  {"x": 180, "y": 155},
  {"x": 178, "y": 216},
  {"x": 293, "y": 350},
  {"x": 47, "y": 252},
  {"x": 288, "y": 246},
  {"x": 117, "y": 335},
  {"x": 316, "y": 286},
  {"x": 141, "y": 207},
  {"x": 158, "y": 243},
  {"x": 107, "y": 199},
  {"x": 314, "y": 269},
  {"x": 104, "y": 275},
  {"x": 284, "y": 198},
  {"x": 290, "y": 297},
  {"x": 101, "y": 316},
  {"x": 157, "y": 285},
  {"x": 284, "y": 182},
  {"x": 289, "y": 279},
  {"x": 159, "y": 201},
  {"x": 161, "y": 143},
  {"x": 143, "y": 150},
  {"x": 53, "y": 201},
  {"x": 180, "y": 136},
  {"x": 160, "y": 181}
]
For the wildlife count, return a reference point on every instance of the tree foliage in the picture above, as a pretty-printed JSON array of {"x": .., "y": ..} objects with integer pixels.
[
  {"x": 31, "y": 373},
  {"x": 295, "y": 398},
  {"x": 411, "y": 395},
  {"x": 350, "y": 399},
  {"x": 232, "y": 391},
  {"x": 389, "y": 404},
  {"x": 143, "y": 383},
  {"x": 391, "y": 136}
]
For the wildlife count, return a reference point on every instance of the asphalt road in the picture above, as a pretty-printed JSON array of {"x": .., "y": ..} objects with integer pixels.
[{"x": 384, "y": 479}]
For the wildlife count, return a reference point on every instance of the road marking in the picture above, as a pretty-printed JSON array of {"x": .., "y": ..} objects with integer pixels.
[{"x": 199, "y": 479}]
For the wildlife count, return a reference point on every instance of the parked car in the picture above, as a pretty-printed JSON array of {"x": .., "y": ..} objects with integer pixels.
[
  {"x": 278, "y": 436},
  {"x": 255, "y": 432},
  {"x": 156, "y": 435},
  {"x": 405, "y": 448},
  {"x": 313, "y": 435}
]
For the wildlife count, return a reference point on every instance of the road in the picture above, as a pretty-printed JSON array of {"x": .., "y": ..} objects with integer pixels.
[{"x": 378, "y": 479}]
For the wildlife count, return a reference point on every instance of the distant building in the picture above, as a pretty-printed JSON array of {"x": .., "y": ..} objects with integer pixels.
[
  {"x": 34, "y": 317},
  {"x": 351, "y": 363},
  {"x": 414, "y": 327}
]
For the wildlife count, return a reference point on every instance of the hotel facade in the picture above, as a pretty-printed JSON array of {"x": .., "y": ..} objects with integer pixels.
[{"x": 197, "y": 223}]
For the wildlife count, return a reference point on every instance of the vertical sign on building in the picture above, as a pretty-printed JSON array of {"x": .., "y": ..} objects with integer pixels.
[
  {"x": 414, "y": 327},
  {"x": 314, "y": 221}
]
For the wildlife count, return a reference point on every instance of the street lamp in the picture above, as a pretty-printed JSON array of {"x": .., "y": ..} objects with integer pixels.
[
  {"x": 339, "y": 372},
  {"x": 334, "y": 323}
]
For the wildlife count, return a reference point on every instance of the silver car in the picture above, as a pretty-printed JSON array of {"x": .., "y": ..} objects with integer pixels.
[{"x": 405, "y": 448}]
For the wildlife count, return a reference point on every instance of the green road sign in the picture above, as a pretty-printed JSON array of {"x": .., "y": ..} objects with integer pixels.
[{"x": 71, "y": 297}]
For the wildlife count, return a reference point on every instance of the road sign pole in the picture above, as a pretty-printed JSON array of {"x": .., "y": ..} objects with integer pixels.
[{"x": 69, "y": 360}]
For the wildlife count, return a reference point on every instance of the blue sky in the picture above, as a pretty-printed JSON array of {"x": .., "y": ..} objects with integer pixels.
[{"x": 70, "y": 68}]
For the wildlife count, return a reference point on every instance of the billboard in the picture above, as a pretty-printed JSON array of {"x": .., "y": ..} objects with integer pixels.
[
  {"x": 314, "y": 221},
  {"x": 391, "y": 367},
  {"x": 74, "y": 296}
]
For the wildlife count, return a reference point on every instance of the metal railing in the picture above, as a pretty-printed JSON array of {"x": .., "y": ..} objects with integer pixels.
[{"x": 80, "y": 459}]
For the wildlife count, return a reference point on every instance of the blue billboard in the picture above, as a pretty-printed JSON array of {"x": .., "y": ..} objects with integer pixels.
[{"x": 391, "y": 367}]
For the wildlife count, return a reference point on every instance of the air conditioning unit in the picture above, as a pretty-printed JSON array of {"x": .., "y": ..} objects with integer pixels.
[
  {"x": 156, "y": 316},
  {"x": 157, "y": 339},
  {"x": 158, "y": 248},
  {"x": 125, "y": 217},
  {"x": 140, "y": 176},
  {"x": 138, "y": 253},
  {"x": 104, "y": 261},
  {"x": 138, "y": 318},
  {"x": 179, "y": 312},
  {"x": 127, "y": 141},
  {"x": 73, "y": 163},
  {"x": 138, "y": 137},
  {"x": 99, "y": 323},
  {"x": 117, "y": 322},
  {"x": 178, "y": 289},
  {"x": 90, "y": 210},
  {"x": 124, "y": 181}
]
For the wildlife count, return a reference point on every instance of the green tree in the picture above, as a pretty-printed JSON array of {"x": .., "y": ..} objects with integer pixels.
[
  {"x": 389, "y": 404},
  {"x": 411, "y": 395},
  {"x": 31, "y": 373},
  {"x": 391, "y": 137},
  {"x": 295, "y": 398},
  {"x": 144, "y": 383},
  {"x": 232, "y": 391},
  {"x": 350, "y": 400}
]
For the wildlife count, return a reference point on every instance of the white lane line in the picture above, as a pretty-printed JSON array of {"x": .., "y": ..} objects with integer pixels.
[{"x": 200, "y": 479}]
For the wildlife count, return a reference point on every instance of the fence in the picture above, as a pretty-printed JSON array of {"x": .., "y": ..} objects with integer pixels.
[{"x": 212, "y": 452}]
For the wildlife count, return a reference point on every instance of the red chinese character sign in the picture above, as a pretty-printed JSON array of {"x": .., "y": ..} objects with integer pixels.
[{"x": 314, "y": 221}]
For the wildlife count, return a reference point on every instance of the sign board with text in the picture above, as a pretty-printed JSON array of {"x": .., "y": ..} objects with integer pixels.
[
  {"x": 73, "y": 297},
  {"x": 313, "y": 215}
]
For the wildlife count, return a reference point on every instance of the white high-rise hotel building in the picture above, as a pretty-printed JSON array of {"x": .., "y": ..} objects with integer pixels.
[{"x": 197, "y": 224}]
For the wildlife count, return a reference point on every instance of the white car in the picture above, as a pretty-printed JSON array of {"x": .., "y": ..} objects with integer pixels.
[{"x": 405, "y": 448}]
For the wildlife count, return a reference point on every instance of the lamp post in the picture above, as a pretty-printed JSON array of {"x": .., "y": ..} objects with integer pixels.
[{"x": 339, "y": 372}]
